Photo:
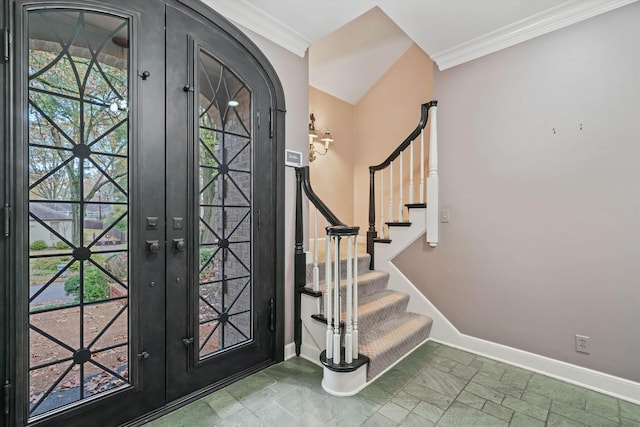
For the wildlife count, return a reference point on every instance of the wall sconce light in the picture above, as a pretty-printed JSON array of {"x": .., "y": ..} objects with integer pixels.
[{"x": 313, "y": 135}]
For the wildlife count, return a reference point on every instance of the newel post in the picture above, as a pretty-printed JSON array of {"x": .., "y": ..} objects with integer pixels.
[
  {"x": 371, "y": 232},
  {"x": 299, "y": 265},
  {"x": 433, "y": 205}
]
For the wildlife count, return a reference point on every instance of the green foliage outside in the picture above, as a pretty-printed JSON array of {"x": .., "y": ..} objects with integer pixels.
[
  {"x": 116, "y": 212},
  {"x": 96, "y": 286},
  {"x": 38, "y": 245},
  {"x": 118, "y": 265},
  {"x": 61, "y": 245},
  {"x": 48, "y": 265},
  {"x": 205, "y": 254}
]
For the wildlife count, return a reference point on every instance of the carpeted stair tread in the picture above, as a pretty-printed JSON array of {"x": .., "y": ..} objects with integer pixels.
[
  {"x": 392, "y": 339},
  {"x": 377, "y": 308},
  {"x": 370, "y": 283}
]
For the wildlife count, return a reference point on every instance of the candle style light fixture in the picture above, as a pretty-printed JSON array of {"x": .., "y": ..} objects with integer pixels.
[{"x": 313, "y": 135}]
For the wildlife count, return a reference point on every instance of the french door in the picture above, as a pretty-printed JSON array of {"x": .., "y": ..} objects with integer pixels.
[
  {"x": 223, "y": 204},
  {"x": 142, "y": 183}
]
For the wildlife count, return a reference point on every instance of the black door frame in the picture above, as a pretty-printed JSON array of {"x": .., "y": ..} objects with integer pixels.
[{"x": 9, "y": 200}]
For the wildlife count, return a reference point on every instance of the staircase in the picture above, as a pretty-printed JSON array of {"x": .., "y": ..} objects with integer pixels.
[
  {"x": 355, "y": 320},
  {"x": 388, "y": 331}
]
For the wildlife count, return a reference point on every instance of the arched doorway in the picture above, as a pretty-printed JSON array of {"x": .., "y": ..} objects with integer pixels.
[{"x": 142, "y": 191}]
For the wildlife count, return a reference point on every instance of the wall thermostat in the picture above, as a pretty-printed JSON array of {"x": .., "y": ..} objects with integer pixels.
[{"x": 293, "y": 158}]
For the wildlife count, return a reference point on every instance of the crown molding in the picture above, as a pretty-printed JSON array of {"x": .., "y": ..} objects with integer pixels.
[
  {"x": 563, "y": 15},
  {"x": 243, "y": 12}
]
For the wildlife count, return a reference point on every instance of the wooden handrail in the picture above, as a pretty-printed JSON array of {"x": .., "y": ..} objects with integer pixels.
[
  {"x": 302, "y": 175},
  {"x": 371, "y": 231},
  {"x": 424, "y": 118}
]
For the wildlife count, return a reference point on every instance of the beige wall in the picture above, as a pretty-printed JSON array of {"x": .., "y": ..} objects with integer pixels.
[
  {"x": 383, "y": 118},
  {"x": 366, "y": 133},
  {"x": 543, "y": 239},
  {"x": 332, "y": 174}
]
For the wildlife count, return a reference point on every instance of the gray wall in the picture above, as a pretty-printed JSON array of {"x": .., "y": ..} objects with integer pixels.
[
  {"x": 544, "y": 238},
  {"x": 293, "y": 72}
]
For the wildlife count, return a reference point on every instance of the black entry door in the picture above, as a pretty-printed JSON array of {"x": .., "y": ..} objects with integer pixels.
[
  {"x": 139, "y": 256},
  {"x": 220, "y": 209},
  {"x": 87, "y": 170}
]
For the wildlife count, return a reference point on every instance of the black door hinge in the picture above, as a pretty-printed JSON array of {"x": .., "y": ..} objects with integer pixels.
[
  {"x": 258, "y": 218},
  {"x": 272, "y": 315},
  {"x": 270, "y": 122},
  {"x": 258, "y": 123},
  {"x": 187, "y": 341},
  {"x": 7, "y": 397},
  {"x": 143, "y": 355},
  {"x": 6, "y": 44},
  {"x": 6, "y": 220}
]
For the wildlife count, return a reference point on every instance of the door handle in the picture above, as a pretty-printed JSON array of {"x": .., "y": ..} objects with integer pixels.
[
  {"x": 178, "y": 245},
  {"x": 153, "y": 246}
]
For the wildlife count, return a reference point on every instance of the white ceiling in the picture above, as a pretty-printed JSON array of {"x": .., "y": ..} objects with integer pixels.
[{"x": 354, "y": 42}]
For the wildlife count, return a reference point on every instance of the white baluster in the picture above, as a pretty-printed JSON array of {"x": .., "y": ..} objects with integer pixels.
[
  {"x": 355, "y": 299},
  {"x": 411, "y": 173},
  {"x": 316, "y": 270},
  {"x": 348, "y": 343},
  {"x": 336, "y": 303},
  {"x": 422, "y": 166},
  {"x": 382, "y": 203},
  {"x": 401, "y": 201},
  {"x": 432, "y": 183},
  {"x": 327, "y": 297},
  {"x": 391, "y": 193}
]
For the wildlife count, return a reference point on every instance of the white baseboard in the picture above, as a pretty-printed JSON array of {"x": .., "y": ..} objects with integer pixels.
[
  {"x": 306, "y": 352},
  {"x": 443, "y": 331},
  {"x": 289, "y": 350},
  {"x": 584, "y": 377}
]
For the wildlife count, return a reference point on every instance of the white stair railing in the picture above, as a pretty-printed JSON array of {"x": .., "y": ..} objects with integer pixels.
[
  {"x": 433, "y": 206},
  {"x": 428, "y": 185},
  {"x": 382, "y": 204},
  {"x": 355, "y": 297},
  {"x": 411, "y": 189},
  {"x": 316, "y": 270},
  {"x": 401, "y": 198},
  {"x": 337, "y": 311},
  {"x": 422, "y": 165},
  {"x": 391, "y": 192},
  {"x": 327, "y": 298},
  {"x": 333, "y": 299}
]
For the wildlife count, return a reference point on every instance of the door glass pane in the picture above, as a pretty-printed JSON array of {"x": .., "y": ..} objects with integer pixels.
[
  {"x": 224, "y": 185},
  {"x": 78, "y": 137}
]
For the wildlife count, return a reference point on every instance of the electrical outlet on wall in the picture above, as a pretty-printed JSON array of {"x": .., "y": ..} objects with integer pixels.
[
  {"x": 583, "y": 344},
  {"x": 445, "y": 215}
]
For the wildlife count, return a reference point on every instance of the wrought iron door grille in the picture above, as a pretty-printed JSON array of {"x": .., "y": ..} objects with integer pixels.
[
  {"x": 78, "y": 145},
  {"x": 225, "y": 173}
]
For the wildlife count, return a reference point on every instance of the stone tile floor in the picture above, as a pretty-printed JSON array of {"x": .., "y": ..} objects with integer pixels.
[{"x": 435, "y": 385}]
